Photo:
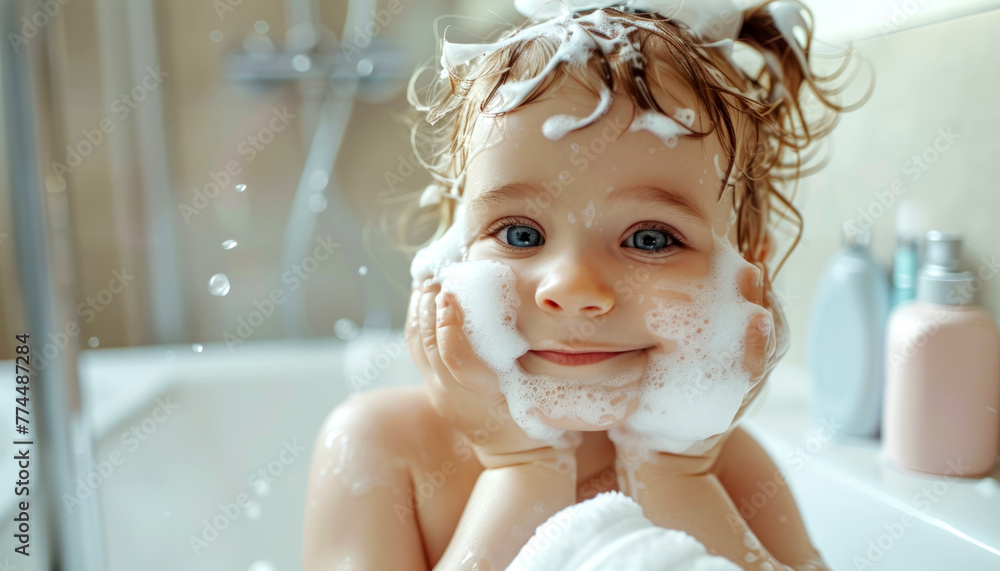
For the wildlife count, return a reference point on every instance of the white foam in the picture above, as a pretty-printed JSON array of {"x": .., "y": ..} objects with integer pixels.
[
  {"x": 665, "y": 128},
  {"x": 693, "y": 393},
  {"x": 589, "y": 213},
  {"x": 611, "y": 37}
]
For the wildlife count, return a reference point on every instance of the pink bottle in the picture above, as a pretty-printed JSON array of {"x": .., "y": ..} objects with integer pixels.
[{"x": 942, "y": 392}]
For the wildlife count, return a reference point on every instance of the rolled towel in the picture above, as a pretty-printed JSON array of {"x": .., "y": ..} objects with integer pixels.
[{"x": 609, "y": 533}]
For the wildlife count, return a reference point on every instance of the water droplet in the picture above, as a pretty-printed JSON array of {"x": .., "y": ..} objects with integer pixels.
[
  {"x": 365, "y": 67},
  {"x": 262, "y": 565},
  {"x": 93, "y": 342},
  {"x": 318, "y": 180},
  {"x": 241, "y": 187},
  {"x": 262, "y": 488},
  {"x": 261, "y": 27},
  {"x": 218, "y": 285},
  {"x": 317, "y": 203},
  {"x": 216, "y": 36},
  {"x": 345, "y": 328},
  {"x": 301, "y": 62},
  {"x": 253, "y": 510},
  {"x": 363, "y": 271},
  {"x": 229, "y": 244},
  {"x": 197, "y": 348}
]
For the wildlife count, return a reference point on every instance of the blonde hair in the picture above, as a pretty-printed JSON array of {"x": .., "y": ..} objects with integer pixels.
[{"x": 761, "y": 122}]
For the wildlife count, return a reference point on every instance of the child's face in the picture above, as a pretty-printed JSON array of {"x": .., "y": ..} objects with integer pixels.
[{"x": 587, "y": 247}]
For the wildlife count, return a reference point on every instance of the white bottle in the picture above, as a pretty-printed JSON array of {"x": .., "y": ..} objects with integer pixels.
[{"x": 846, "y": 340}]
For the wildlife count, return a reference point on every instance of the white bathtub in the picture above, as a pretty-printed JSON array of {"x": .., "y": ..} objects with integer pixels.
[{"x": 237, "y": 412}]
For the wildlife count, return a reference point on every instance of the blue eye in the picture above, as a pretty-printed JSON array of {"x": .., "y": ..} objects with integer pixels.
[
  {"x": 650, "y": 239},
  {"x": 521, "y": 236}
]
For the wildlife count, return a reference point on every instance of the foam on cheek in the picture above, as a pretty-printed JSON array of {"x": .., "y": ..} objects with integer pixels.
[
  {"x": 693, "y": 393},
  {"x": 486, "y": 290}
]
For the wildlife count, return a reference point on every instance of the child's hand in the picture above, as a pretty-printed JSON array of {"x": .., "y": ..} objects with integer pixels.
[
  {"x": 766, "y": 340},
  {"x": 463, "y": 390}
]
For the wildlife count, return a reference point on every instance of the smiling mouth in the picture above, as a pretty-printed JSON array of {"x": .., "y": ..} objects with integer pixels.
[{"x": 575, "y": 359}]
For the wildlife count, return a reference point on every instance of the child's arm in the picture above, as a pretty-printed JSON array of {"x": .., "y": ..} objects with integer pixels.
[
  {"x": 745, "y": 469},
  {"x": 506, "y": 506},
  {"x": 525, "y": 480}
]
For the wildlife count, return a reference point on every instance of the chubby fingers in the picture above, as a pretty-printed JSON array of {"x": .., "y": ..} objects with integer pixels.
[
  {"x": 760, "y": 344},
  {"x": 456, "y": 350},
  {"x": 751, "y": 284}
]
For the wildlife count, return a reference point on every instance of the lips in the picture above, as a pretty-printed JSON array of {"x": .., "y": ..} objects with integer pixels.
[{"x": 580, "y": 358}]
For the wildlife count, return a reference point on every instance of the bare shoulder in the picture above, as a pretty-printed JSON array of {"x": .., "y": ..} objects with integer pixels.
[
  {"x": 386, "y": 470},
  {"x": 389, "y": 418}
]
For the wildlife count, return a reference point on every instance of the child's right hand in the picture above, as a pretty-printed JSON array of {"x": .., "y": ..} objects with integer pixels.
[{"x": 463, "y": 390}]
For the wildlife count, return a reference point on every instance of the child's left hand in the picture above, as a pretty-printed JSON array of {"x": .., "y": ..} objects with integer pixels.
[
  {"x": 679, "y": 491},
  {"x": 765, "y": 341}
]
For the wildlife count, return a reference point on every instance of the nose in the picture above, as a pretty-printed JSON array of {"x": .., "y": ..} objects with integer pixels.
[{"x": 575, "y": 289}]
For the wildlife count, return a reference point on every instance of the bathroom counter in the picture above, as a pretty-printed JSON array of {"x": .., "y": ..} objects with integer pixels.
[{"x": 951, "y": 519}]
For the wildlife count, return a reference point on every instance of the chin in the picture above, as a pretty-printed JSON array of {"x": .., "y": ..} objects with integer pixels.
[{"x": 577, "y": 424}]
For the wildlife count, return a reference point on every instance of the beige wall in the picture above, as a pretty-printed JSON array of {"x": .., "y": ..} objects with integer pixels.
[{"x": 942, "y": 76}]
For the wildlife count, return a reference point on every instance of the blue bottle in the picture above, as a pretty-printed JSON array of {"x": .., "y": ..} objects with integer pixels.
[{"x": 846, "y": 338}]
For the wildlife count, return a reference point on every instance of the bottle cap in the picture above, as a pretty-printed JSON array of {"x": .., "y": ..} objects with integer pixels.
[
  {"x": 853, "y": 236},
  {"x": 943, "y": 251},
  {"x": 944, "y": 288}
]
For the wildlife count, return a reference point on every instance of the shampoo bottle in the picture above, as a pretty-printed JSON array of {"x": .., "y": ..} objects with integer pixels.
[
  {"x": 847, "y": 338},
  {"x": 942, "y": 372}
]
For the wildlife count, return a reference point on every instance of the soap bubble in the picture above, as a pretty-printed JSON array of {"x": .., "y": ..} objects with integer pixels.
[
  {"x": 262, "y": 565},
  {"x": 229, "y": 244},
  {"x": 318, "y": 180},
  {"x": 363, "y": 271},
  {"x": 216, "y": 36},
  {"x": 241, "y": 187},
  {"x": 317, "y": 203},
  {"x": 261, "y": 487},
  {"x": 218, "y": 285},
  {"x": 345, "y": 328},
  {"x": 171, "y": 356},
  {"x": 252, "y": 510},
  {"x": 301, "y": 62},
  {"x": 261, "y": 27},
  {"x": 93, "y": 342},
  {"x": 197, "y": 348}
]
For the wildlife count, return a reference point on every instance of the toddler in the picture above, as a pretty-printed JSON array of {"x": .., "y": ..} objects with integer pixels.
[{"x": 594, "y": 312}]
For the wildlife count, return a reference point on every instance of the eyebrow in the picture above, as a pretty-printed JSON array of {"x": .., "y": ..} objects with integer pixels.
[
  {"x": 662, "y": 196},
  {"x": 500, "y": 195}
]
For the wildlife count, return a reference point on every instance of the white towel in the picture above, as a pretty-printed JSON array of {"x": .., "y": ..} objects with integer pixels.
[{"x": 609, "y": 533}]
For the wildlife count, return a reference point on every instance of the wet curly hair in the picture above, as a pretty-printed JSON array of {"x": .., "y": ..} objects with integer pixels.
[{"x": 769, "y": 123}]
